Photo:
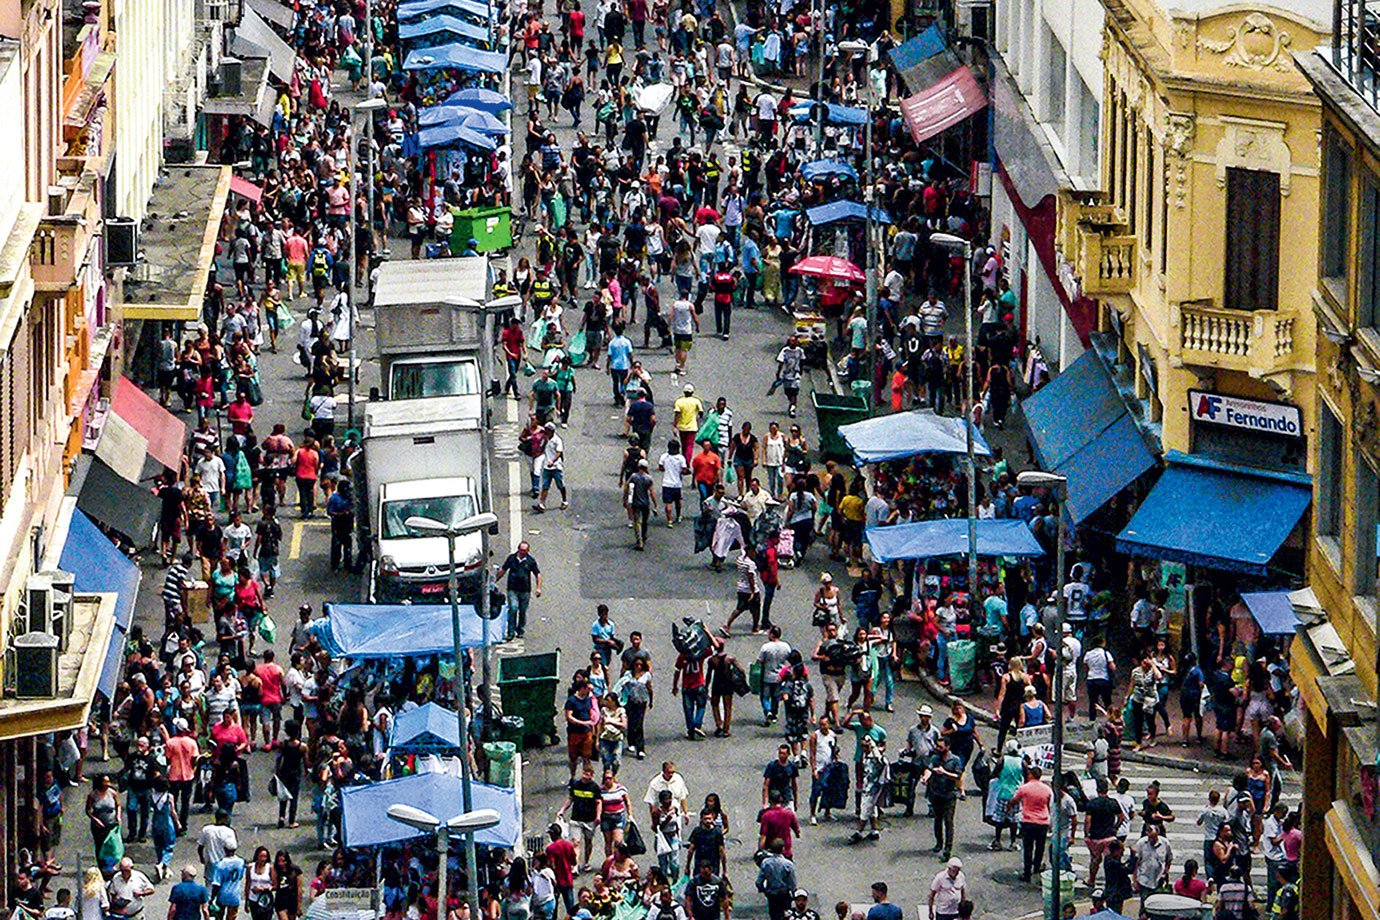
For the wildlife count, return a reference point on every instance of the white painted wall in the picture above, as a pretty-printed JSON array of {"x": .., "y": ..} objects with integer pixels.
[{"x": 11, "y": 143}]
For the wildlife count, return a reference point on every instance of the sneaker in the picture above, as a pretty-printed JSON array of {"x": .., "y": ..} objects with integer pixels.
[
  {"x": 565, "y": 505},
  {"x": 539, "y": 508},
  {"x": 855, "y": 837},
  {"x": 791, "y": 412},
  {"x": 641, "y": 754},
  {"x": 876, "y": 836},
  {"x": 814, "y": 822}
]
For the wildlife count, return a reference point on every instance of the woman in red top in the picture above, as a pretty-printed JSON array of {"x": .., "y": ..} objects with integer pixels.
[
  {"x": 307, "y": 468},
  {"x": 249, "y": 601}
]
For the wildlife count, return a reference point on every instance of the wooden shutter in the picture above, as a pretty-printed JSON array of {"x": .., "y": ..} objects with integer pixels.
[{"x": 1251, "y": 257}]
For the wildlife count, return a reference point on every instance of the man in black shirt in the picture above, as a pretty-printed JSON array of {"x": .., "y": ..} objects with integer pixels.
[
  {"x": 1100, "y": 819},
  {"x": 582, "y": 802},
  {"x": 524, "y": 576},
  {"x": 268, "y": 540},
  {"x": 780, "y": 777},
  {"x": 707, "y": 845},
  {"x": 706, "y": 895},
  {"x": 639, "y": 502}
]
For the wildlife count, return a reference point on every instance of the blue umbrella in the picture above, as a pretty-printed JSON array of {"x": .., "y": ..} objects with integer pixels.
[
  {"x": 480, "y": 97},
  {"x": 464, "y": 115}
]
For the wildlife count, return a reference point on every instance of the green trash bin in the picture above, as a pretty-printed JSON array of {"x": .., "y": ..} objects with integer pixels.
[
  {"x": 834, "y": 411},
  {"x": 510, "y": 728},
  {"x": 492, "y": 227},
  {"x": 527, "y": 686},
  {"x": 962, "y": 664},
  {"x": 500, "y": 755}
]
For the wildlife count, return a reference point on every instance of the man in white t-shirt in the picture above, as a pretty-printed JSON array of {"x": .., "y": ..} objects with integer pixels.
[
  {"x": 214, "y": 842},
  {"x": 670, "y": 779},
  {"x": 128, "y": 888},
  {"x": 707, "y": 234},
  {"x": 685, "y": 322},
  {"x": 673, "y": 469},
  {"x": 1099, "y": 669}
]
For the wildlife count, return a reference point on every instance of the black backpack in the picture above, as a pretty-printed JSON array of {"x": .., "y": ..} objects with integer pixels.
[{"x": 691, "y": 638}]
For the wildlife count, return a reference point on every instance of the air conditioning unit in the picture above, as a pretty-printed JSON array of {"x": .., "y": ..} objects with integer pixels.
[
  {"x": 178, "y": 150},
  {"x": 231, "y": 76},
  {"x": 57, "y": 200},
  {"x": 121, "y": 242},
  {"x": 38, "y": 603},
  {"x": 63, "y": 590},
  {"x": 36, "y": 666}
]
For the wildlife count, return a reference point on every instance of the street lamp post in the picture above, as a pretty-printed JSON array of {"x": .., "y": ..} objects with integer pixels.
[
  {"x": 367, "y": 107},
  {"x": 429, "y": 527},
  {"x": 870, "y": 362},
  {"x": 469, "y": 822},
  {"x": 949, "y": 241},
  {"x": 1058, "y": 485}
]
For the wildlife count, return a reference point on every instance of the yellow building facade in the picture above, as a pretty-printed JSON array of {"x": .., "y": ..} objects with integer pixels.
[
  {"x": 1200, "y": 245},
  {"x": 1334, "y": 662}
]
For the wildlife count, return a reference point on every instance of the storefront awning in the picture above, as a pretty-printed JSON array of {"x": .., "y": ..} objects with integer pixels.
[
  {"x": 925, "y": 45},
  {"x": 165, "y": 433},
  {"x": 456, "y": 56},
  {"x": 116, "y": 503},
  {"x": 461, "y": 28},
  {"x": 255, "y": 38},
  {"x": 417, "y": 8},
  {"x": 1081, "y": 429},
  {"x": 178, "y": 245},
  {"x": 943, "y": 105},
  {"x": 1273, "y": 611},
  {"x": 1216, "y": 515},
  {"x": 817, "y": 169},
  {"x": 246, "y": 189},
  {"x": 100, "y": 567},
  {"x": 281, "y": 15},
  {"x": 949, "y": 537}
]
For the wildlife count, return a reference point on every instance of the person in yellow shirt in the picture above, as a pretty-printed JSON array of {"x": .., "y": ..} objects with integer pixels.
[
  {"x": 688, "y": 413},
  {"x": 852, "y": 508}
]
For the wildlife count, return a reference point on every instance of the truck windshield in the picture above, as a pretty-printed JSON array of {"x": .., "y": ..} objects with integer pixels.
[
  {"x": 435, "y": 378},
  {"x": 447, "y": 509}
]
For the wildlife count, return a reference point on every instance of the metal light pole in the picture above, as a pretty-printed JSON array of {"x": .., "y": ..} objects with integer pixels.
[
  {"x": 468, "y": 823},
  {"x": 854, "y": 48},
  {"x": 368, "y": 107},
  {"x": 1058, "y": 485},
  {"x": 429, "y": 527},
  {"x": 949, "y": 241},
  {"x": 819, "y": 84}
]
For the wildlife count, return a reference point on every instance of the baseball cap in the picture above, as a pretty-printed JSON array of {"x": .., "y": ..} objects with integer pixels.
[
  {"x": 689, "y": 388},
  {"x": 925, "y": 710},
  {"x": 801, "y": 893},
  {"x": 955, "y": 863},
  {"x": 826, "y": 577},
  {"x": 550, "y": 426}
]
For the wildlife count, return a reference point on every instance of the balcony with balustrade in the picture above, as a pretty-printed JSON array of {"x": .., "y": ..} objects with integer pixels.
[
  {"x": 1256, "y": 342},
  {"x": 1093, "y": 236}
]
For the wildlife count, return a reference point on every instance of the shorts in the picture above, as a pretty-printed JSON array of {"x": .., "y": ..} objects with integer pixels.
[
  {"x": 1226, "y": 719},
  {"x": 1098, "y": 848},
  {"x": 1257, "y": 709},
  {"x": 609, "y": 823},
  {"x": 670, "y": 495},
  {"x": 586, "y": 829},
  {"x": 580, "y": 744},
  {"x": 249, "y": 710},
  {"x": 268, "y": 565},
  {"x": 791, "y": 387},
  {"x": 832, "y": 686},
  {"x": 867, "y": 806},
  {"x": 683, "y": 342},
  {"x": 273, "y": 710},
  {"x": 549, "y": 476},
  {"x": 171, "y": 530},
  {"x": 167, "y": 376}
]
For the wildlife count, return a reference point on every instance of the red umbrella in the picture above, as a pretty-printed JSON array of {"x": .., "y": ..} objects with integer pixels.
[{"x": 830, "y": 267}]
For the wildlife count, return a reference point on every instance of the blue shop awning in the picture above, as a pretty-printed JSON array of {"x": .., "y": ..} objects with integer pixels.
[
  {"x": 1216, "y": 515},
  {"x": 466, "y": 116},
  {"x": 949, "y": 537},
  {"x": 816, "y": 169},
  {"x": 480, "y": 97},
  {"x": 446, "y": 136},
  {"x": 843, "y": 210},
  {"x": 100, "y": 567},
  {"x": 835, "y": 114},
  {"x": 926, "y": 45},
  {"x": 1273, "y": 611},
  {"x": 366, "y": 823},
  {"x": 1081, "y": 429},
  {"x": 456, "y": 56},
  {"x": 454, "y": 25},
  {"x": 399, "y": 630},
  {"x": 425, "y": 728},
  {"x": 909, "y": 434}
]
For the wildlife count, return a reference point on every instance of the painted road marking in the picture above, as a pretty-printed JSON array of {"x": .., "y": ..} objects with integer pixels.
[{"x": 295, "y": 546}]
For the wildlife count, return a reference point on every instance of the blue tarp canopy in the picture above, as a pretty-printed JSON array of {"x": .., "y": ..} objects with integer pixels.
[
  {"x": 926, "y": 45},
  {"x": 1081, "y": 429},
  {"x": 480, "y": 97},
  {"x": 1273, "y": 611},
  {"x": 430, "y": 25},
  {"x": 843, "y": 210},
  {"x": 425, "y": 728},
  {"x": 1216, "y": 515},
  {"x": 456, "y": 56},
  {"x": 836, "y": 114},
  {"x": 463, "y": 115},
  {"x": 909, "y": 434},
  {"x": 818, "y": 168},
  {"x": 446, "y": 135},
  {"x": 365, "y": 809},
  {"x": 949, "y": 537},
  {"x": 475, "y": 8},
  {"x": 100, "y": 567},
  {"x": 399, "y": 630}
]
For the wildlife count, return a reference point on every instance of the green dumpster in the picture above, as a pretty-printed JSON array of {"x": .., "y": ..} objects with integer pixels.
[
  {"x": 527, "y": 686},
  {"x": 500, "y": 755},
  {"x": 492, "y": 227},
  {"x": 833, "y": 411}
]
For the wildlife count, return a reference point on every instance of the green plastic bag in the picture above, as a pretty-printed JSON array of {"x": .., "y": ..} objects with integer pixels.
[
  {"x": 113, "y": 847},
  {"x": 268, "y": 630},
  {"x": 729, "y": 476},
  {"x": 577, "y": 349},
  {"x": 709, "y": 430}
]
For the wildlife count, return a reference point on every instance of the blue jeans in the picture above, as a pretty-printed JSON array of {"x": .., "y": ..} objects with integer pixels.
[
  {"x": 770, "y": 695},
  {"x": 693, "y": 703},
  {"x": 518, "y": 602},
  {"x": 140, "y": 805},
  {"x": 884, "y": 681}
]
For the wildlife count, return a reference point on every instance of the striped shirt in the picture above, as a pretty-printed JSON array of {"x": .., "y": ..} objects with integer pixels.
[{"x": 174, "y": 582}]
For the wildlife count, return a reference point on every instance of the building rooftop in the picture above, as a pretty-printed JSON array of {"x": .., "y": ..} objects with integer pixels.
[
  {"x": 1314, "y": 13},
  {"x": 79, "y": 670},
  {"x": 177, "y": 243}
]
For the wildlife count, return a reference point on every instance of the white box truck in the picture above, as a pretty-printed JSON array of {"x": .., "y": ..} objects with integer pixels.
[
  {"x": 422, "y": 458},
  {"x": 429, "y": 320}
]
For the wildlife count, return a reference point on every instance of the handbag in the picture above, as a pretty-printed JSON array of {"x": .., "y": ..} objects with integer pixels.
[
  {"x": 307, "y": 415},
  {"x": 632, "y": 840}
]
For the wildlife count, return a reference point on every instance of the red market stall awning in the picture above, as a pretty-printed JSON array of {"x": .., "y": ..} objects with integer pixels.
[
  {"x": 166, "y": 433},
  {"x": 246, "y": 189},
  {"x": 943, "y": 105}
]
